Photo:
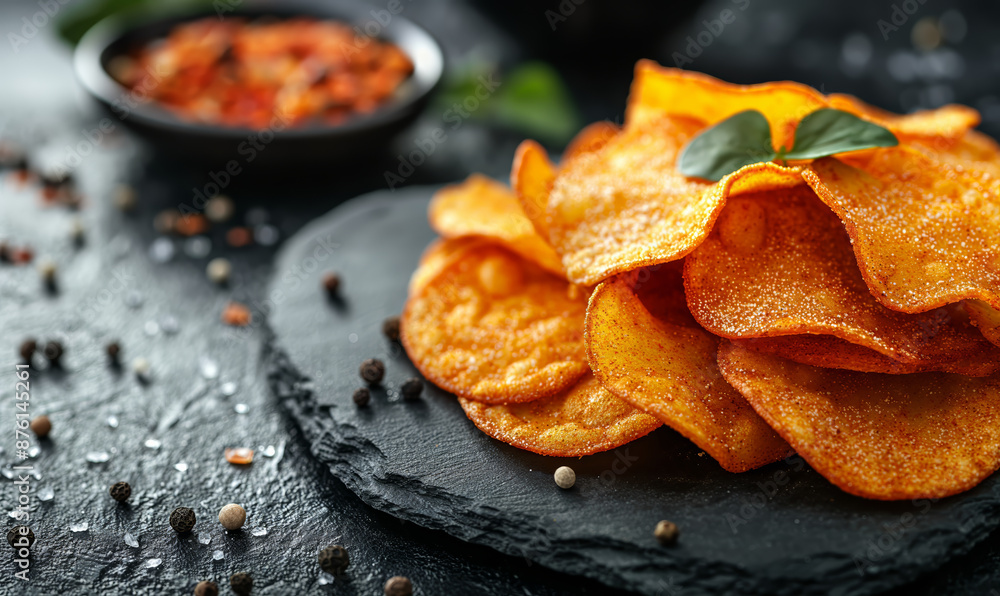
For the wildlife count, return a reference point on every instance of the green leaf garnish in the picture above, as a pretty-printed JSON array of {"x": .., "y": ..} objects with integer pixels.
[
  {"x": 737, "y": 141},
  {"x": 745, "y": 138},
  {"x": 828, "y": 131}
]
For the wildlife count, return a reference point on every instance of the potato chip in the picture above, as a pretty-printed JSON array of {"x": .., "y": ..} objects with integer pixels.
[
  {"x": 886, "y": 437},
  {"x": 581, "y": 420},
  {"x": 664, "y": 364},
  {"x": 626, "y": 206},
  {"x": 483, "y": 207},
  {"x": 658, "y": 91},
  {"x": 437, "y": 256},
  {"x": 780, "y": 264},
  {"x": 986, "y": 318},
  {"x": 926, "y": 233},
  {"x": 828, "y": 351},
  {"x": 495, "y": 327},
  {"x": 531, "y": 177},
  {"x": 590, "y": 139}
]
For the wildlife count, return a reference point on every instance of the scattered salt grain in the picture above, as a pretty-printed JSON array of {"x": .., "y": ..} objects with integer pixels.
[
  {"x": 241, "y": 408},
  {"x": 46, "y": 494},
  {"x": 79, "y": 527},
  {"x": 217, "y": 555},
  {"x": 259, "y": 532},
  {"x": 131, "y": 540},
  {"x": 97, "y": 457},
  {"x": 153, "y": 563}
]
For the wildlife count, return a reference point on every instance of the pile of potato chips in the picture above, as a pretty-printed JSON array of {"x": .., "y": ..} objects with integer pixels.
[{"x": 845, "y": 308}]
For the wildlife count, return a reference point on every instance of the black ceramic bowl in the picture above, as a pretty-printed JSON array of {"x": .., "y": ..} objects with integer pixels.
[{"x": 312, "y": 144}]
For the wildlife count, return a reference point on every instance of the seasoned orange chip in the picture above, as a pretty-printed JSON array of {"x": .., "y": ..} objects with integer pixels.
[
  {"x": 483, "y": 207},
  {"x": 926, "y": 233},
  {"x": 658, "y": 91},
  {"x": 626, "y": 206},
  {"x": 494, "y": 327},
  {"x": 664, "y": 364},
  {"x": 986, "y": 318},
  {"x": 438, "y": 255},
  {"x": 886, "y": 437},
  {"x": 531, "y": 177},
  {"x": 781, "y": 264},
  {"x": 581, "y": 420},
  {"x": 590, "y": 139}
]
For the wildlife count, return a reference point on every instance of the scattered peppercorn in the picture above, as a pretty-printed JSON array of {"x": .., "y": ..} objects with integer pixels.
[
  {"x": 23, "y": 255},
  {"x": 331, "y": 283},
  {"x": 666, "y": 532},
  {"x": 191, "y": 225},
  {"x": 166, "y": 221},
  {"x": 219, "y": 208},
  {"x": 41, "y": 426},
  {"x": 5, "y": 256},
  {"x": 77, "y": 232},
  {"x": 398, "y": 586},
  {"x": 334, "y": 559},
  {"x": 372, "y": 371},
  {"x": 390, "y": 327},
  {"x": 412, "y": 388},
  {"x": 241, "y": 583},
  {"x": 27, "y": 350},
  {"x": 17, "y": 533},
  {"x": 182, "y": 520},
  {"x": 232, "y": 516},
  {"x": 361, "y": 397},
  {"x": 120, "y": 491},
  {"x": 114, "y": 351},
  {"x": 54, "y": 352},
  {"x": 206, "y": 588},
  {"x": 47, "y": 269},
  {"x": 125, "y": 198},
  {"x": 565, "y": 477},
  {"x": 218, "y": 270},
  {"x": 236, "y": 314}
]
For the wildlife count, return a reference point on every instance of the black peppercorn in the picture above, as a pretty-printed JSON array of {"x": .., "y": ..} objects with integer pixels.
[
  {"x": 113, "y": 350},
  {"x": 372, "y": 371},
  {"x": 16, "y": 536},
  {"x": 121, "y": 491},
  {"x": 398, "y": 586},
  {"x": 334, "y": 559},
  {"x": 241, "y": 583},
  {"x": 331, "y": 283},
  {"x": 27, "y": 350},
  {"x": 5, "y": 256},
  {"x": 666, "y": 532},
  {"x": 182, "y": 520},
  {"x": 412, "y": 388},
  {"x": 54, "y": 352},
  {"x": 361, "y": 397},
  {"x": 206, "y": 588},
  {"x": 390, "y": 328}
]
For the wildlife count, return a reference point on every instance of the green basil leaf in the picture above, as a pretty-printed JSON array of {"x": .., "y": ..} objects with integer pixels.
[
  {"x": 737, "y": 141},
  {"x": 828, "y": 131}
]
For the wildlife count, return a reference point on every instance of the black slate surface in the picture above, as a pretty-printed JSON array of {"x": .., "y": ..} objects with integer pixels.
[{"x": 779, "y": 530}]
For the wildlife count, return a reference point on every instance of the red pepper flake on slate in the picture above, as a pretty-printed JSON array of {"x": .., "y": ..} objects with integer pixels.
[
  {"x": 331, "y": 283},
  {"x": 27, "y": 350},
  {"x": 120, "y": 491},
  {"x": 239, "y": 455},
  {"x": 666, "y": 532},
  {"x": 334, "y": 559},
  {"x": 390, "y": 328},
  {"x": 239, "y": 237},
  {"x": 236, "y": 314},
  {"x": 412, "y": 388},
  {"x": 206, "y": 588},
  {"x": 372, "y": 371},
  {"x": 398, "y": 586},
  {"x": 241, "y": 583},
  {"x": 23, "y": 256},
  {"x": 182, "y": 520},
  {"x": 191, "y": 225},
  {"x": 361, "y": 397},
  {"x": 41, "y": 426}
]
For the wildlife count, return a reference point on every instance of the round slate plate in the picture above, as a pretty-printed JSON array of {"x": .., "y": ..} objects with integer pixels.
[{"x": 782, "y": 529}]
